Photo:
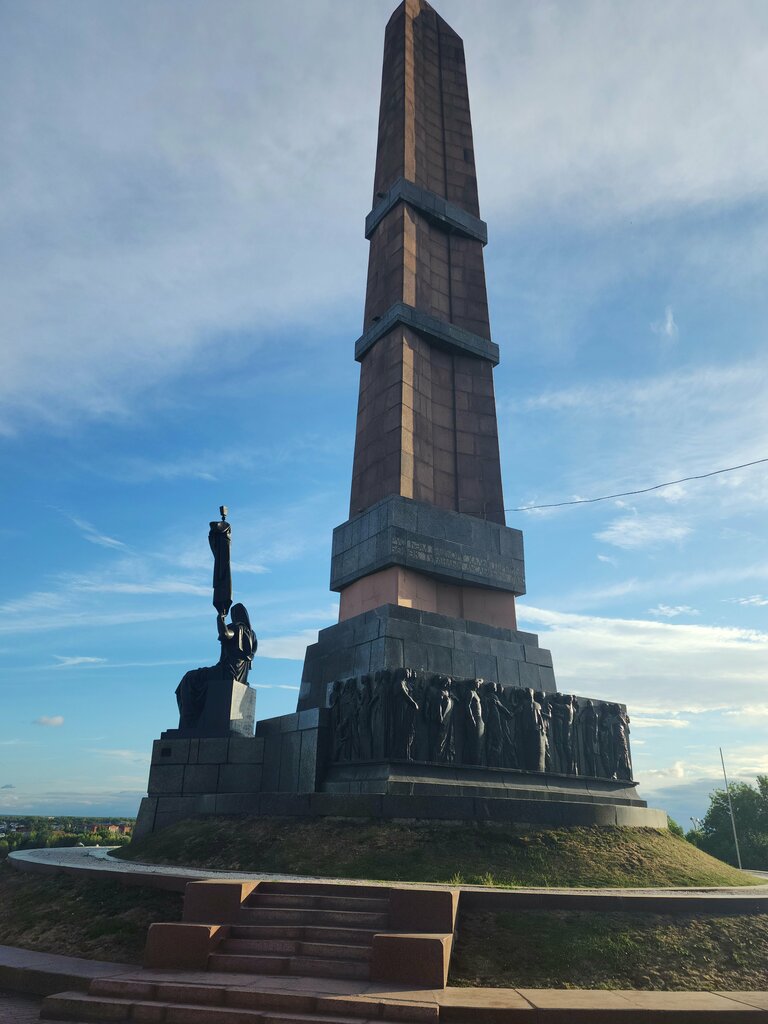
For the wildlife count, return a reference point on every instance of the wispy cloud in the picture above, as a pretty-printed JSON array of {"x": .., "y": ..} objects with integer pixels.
[
  {"x": 639, "y": 722},
  {"x": 90, "y": 533},
  {"x": 37, "y": 601},
  {"x": 155, "y": 586},
  {"x": 667, "y": 611},
  {"x": 92, "y": 619},
  {"x": 116, "y": 754},
  {"x": 639, "y": 531},
  {"x": 665, "y": 427},
  {"x": 674, "y": 771},
  {"x": 681, "y": 581},
  {"x": 70, "y": 661},
  {"x": 8, "y": 785},
  {"x": 291, "y": 647},
  {"x": 51, "y": 721},
  {"x": 666, "y": 327},
  {"x": 755, "y": 711},
  {"x": 756, "y": 599}
]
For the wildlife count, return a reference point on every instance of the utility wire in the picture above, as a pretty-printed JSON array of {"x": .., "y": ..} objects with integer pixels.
[{"x": 643, "y": 490}]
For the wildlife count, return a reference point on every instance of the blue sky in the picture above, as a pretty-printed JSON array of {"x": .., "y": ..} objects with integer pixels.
[{"x": 183, "y": 271}]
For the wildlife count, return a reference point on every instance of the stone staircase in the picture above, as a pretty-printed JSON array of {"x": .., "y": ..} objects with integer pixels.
[
  {"x": 179, "y": 1002},
  {"x": 303, "y": 930}
]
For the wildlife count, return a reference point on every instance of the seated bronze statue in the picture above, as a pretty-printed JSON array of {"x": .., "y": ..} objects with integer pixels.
[{"x": 238, "y": 646}]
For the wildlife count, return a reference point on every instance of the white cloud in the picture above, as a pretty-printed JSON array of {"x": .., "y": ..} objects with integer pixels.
[
  {"x": 91, "y": 534},
  {"x": 667, "y": 327},
  {"x": 70, "y": 661},
  {"x": 92, "y": 619},
  {"x": 667, "y": 611},
  {"x": 654, "y": 667},
  {"x": 150, "y": 225},
  {"x": 37, "y": 601},
  {"x": 156, "y": 586},
  {"x": 291, "y": 647},
  {"x": 755, "y": 711},
  {"x": 639, "y": 722},
  {"x": 637, "y": 103},
  {"x": 755, "y": 599},
  {"x": 116, "y": 754},
  {"x": 639, "y": 531},
  {"x": 51, "y": 721},
  {"x": 665, "y": 427},
  {"x": 673, "y": 582},
  {"x": 608, "y": 559},
  {"x": 674, "y": 771}
]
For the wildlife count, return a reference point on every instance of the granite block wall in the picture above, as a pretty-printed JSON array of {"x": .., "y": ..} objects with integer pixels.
[{"x": 396, "y": 637}]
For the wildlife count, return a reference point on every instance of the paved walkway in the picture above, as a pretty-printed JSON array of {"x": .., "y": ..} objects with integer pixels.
[
  {"x": 97, "y": 859},
  {"x": 16, "y": 1009},
  {"x": 368, "y": 999}
]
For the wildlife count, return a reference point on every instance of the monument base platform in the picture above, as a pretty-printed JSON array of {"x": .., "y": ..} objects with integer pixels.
[
  {"x": 408, "y": 778},
  {"x": 157, "y": 813},
  {"x": 283, "y": 772}
]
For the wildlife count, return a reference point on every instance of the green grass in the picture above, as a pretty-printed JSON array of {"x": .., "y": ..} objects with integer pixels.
[
  {"x": 487, "y": 854},
  {"x": 99, "y": 920},
  {"x": 572, "y": 949}
]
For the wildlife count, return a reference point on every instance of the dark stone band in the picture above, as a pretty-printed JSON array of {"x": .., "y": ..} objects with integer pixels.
[
  {"x": 441, "y": 333},
  {"x": 449, "y": 546},
  {"x": 434, "y": 207}
]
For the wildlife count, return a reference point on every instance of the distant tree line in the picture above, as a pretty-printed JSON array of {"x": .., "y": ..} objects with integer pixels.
[{"x": 43, "y": 833}]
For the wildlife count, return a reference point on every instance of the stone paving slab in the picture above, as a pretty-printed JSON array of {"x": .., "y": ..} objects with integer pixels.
[
  {"x": 16, "y": 1009},
  {"x": 571, "y": 1006},
  {"x": 24, "y": 970}
]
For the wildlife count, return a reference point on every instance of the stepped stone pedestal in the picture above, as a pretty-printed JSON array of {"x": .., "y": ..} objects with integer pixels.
[{"x": 229, "y": 709}]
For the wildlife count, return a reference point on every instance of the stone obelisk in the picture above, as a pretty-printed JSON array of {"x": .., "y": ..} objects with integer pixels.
[{"x": 426, "y": 569}]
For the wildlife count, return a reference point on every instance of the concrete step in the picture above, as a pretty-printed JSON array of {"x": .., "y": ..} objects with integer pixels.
[
  {"x": 245, "y": 964},
  {"x": 79, "y": 1006},
  {"x": 150, "y": 993},
  {"x": 305, "y": 933},
  {"x": 334, "y": 918},
  {"x": 317, "y": 967},
  {"x": 373, "y": 892},
  {"x": 287, "y": 947},
  {"x": 334, "y": 951},
  {"x": 257, "y": 947},
  {"x": 267, "y": 931},
  {"x": 304, "y": 966},
  {"x": 307, "y": 901}
]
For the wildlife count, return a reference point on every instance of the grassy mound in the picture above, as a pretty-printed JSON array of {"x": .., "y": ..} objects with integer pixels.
[
  {"x": 482, "y": 854},
  {"x": 103, "y": 920},
  {"x": 571, "y": 949}
]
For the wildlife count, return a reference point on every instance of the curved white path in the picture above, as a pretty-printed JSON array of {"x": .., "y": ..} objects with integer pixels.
[{"x": 97, "y": 859}]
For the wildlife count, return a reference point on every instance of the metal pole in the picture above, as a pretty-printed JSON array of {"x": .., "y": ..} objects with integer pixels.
[{"x": 730, "y": 808}]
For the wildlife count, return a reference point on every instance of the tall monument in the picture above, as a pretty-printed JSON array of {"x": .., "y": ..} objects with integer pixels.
[
  {"x": 427, "y": 530},
  {"x": 424, "y": 700}
]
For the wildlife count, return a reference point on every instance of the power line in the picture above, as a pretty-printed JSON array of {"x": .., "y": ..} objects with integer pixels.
[{"x": 643, "y": 490}]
